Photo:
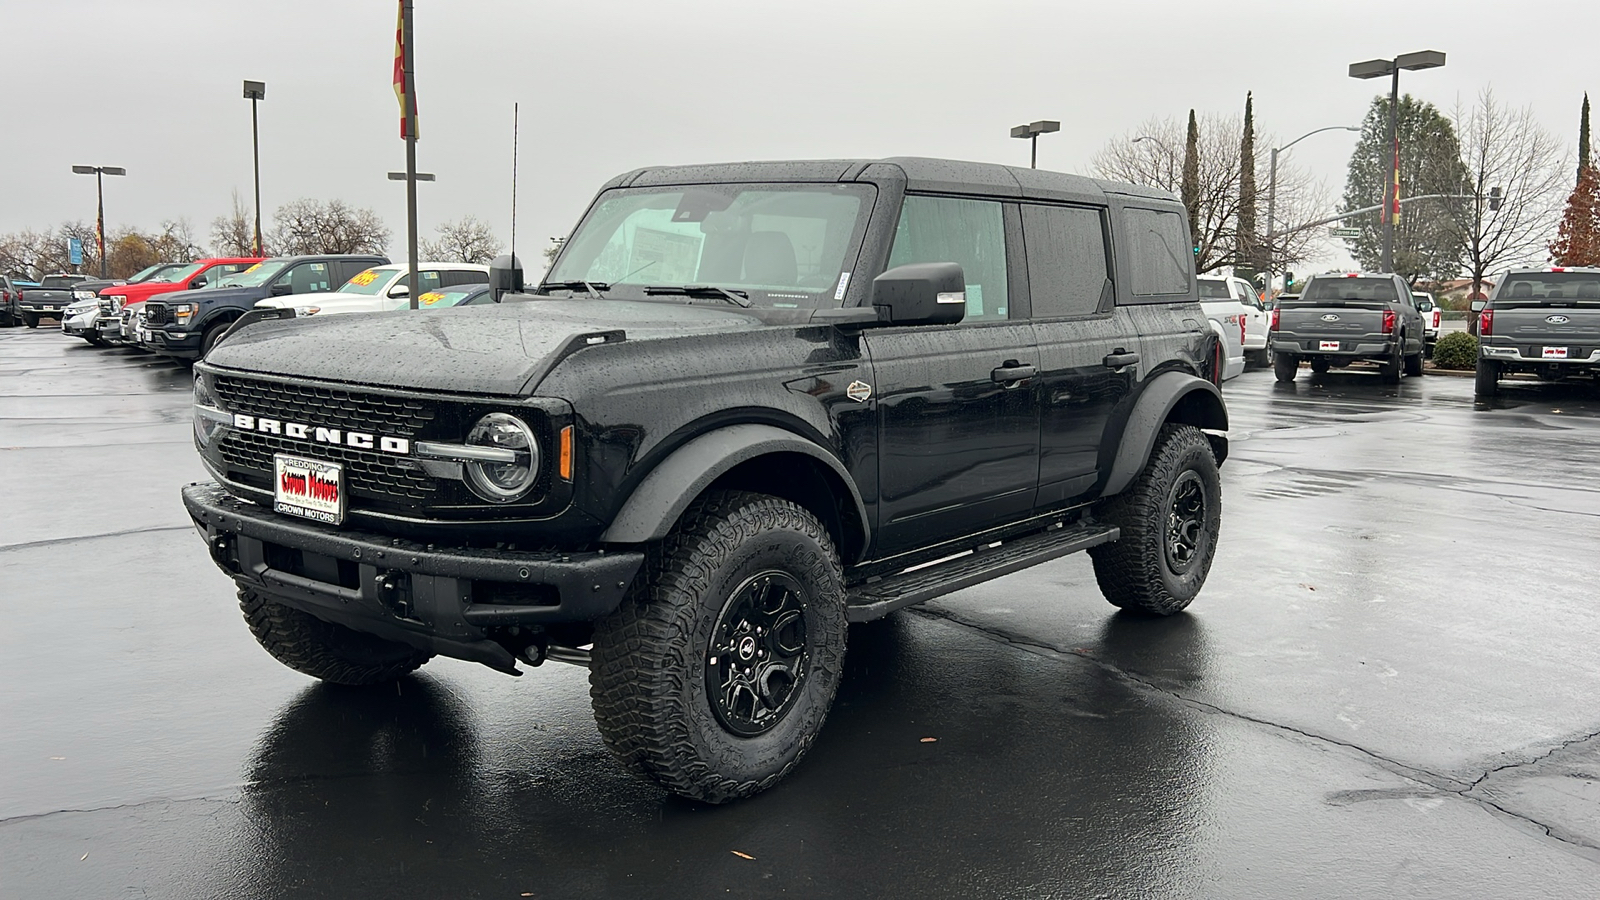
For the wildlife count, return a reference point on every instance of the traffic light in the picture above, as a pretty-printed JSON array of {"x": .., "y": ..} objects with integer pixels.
[
  {"x": 1496, "y": 197},
  {"x": 1288, "y": 280}
]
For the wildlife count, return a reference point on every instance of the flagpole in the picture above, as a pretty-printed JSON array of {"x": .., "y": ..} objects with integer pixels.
[{"x": 406, "y": 41}]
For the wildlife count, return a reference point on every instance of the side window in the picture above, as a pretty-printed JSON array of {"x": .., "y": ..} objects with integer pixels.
[
  {"x": 970, "y": 233},
  {"x": 465, "y": 276},
  {"x": 1161, "y": 261},
  {"x": 1067, "y": 273},
  {"x": 308, "y": 278}
]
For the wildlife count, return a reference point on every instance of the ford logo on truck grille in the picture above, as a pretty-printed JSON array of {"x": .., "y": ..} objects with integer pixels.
[
  {"x": 1557, "y": 320},
  {"x": 1330, "y": 317}
]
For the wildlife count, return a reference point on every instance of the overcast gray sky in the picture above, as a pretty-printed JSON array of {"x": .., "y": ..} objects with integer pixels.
[{"x": 611, "y": 85}]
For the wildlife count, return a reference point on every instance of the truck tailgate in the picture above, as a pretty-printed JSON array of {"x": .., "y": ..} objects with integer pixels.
[
  {"x": 1309, "y": 326},
  {"x": 1548, "y": 332}
]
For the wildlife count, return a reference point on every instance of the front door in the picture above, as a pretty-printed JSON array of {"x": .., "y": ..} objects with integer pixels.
[{"x": 958, "y": 414}]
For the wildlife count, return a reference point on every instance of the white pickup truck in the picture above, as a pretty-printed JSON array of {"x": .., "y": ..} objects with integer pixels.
[
  {"x": 380, "y": 289},
  {"x": 1230, "y": 303},
  {"x": 1432, "y": 317}
]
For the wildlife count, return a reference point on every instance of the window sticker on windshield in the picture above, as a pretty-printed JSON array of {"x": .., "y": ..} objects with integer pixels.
[
  {"x": 365, "y": 278},
  {"x": 974, "y": 300},
  {"x": 253, "y": 268},
  {"x": 844, "y": 282},
  {"x": 428, "y": 299}
]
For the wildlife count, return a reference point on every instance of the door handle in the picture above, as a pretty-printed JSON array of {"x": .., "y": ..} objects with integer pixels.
[
  {"x": 1119, "y": 359},
  {"x": 1012, "y": 373}
]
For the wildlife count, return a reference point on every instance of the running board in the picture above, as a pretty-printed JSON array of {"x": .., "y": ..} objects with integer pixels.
[{"x": 876, "y": 599}]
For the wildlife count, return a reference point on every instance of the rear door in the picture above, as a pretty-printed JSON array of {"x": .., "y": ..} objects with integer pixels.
[
  {"x": 958, "y": 416},
  {"x": 1089, "y": 355}
]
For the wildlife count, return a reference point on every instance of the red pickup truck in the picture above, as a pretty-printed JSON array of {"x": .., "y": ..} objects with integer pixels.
[{"x": 119, "y": 304}]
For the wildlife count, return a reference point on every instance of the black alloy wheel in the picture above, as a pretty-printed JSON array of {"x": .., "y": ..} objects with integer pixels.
[
  {"x": 1186, "y": 522},
  {"x": 757, "y": 665}
]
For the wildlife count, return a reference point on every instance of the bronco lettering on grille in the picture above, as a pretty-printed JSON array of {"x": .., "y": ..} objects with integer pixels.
[{"x": 316, "y": 434}]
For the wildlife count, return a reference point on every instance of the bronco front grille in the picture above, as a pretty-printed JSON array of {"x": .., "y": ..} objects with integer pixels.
[
  {"x": 332, "y": 407},
  {"x": 375, "y": 476},
  {"x": 156, "y": 314}
]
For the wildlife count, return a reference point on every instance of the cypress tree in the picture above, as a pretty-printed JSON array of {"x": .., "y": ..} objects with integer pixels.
[
  {"x": 1584, "y": 160},
  {"x": 1246, "y": 259},
  {"x": 1191, "y": 177}
]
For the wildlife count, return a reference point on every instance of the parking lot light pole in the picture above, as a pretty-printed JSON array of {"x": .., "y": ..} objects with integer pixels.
[
  {"x": 1377, "y": 68},
  {"x": 1272, "y": 190},
  {"x": 100, "y": 205},
  {"x": 254, "y": 91},
  {"x": 1031, "y": 132},
  {"x": 1163, "y": 145}
]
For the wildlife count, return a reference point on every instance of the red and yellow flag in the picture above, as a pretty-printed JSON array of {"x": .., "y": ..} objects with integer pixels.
[{"x": 400, "y": 69}]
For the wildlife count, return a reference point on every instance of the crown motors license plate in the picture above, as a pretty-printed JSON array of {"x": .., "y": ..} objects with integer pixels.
[
  {"x": 1327, "y": 345},
  {"x": 1555, "y": 353},
  {"x": 309, "y": 488}
]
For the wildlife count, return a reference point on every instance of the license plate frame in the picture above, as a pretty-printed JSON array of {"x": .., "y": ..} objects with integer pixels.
[
  {"x": 1328, "y": 345},
  {"x": 1555, "y": 352},
  {"x": 308, "y": 488}
]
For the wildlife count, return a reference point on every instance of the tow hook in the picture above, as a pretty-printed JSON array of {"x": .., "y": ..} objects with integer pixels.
[{"x": 221, "y": 547}]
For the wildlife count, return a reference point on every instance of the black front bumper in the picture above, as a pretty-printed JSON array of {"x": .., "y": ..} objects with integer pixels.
[{"x": 450, "y": 601}]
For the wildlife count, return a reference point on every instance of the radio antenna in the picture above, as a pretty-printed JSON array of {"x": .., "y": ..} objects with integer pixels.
[{"x": 514, "y": 131}]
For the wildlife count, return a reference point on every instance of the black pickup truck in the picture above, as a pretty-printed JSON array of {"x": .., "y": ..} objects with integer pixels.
[
  {"x": 54, "y": 294},
  {"x": 1542, "y": 321},
  {"x": 1340, "y": 319},
  {"x": 751, "y": 403}
]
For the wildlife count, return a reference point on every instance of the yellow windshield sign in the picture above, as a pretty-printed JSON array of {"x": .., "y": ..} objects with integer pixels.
[
  {"x": 430, "y": 298},
  {"x": 365, "y": 278}
]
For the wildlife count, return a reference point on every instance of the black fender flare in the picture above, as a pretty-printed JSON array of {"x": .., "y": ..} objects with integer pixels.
[
  {"x": 660, "y": 499},
  {"x": 1201, "y": 405}
]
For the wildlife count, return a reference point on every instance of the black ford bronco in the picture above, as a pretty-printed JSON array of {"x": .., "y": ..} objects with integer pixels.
[{"x": 749, "y": 404}]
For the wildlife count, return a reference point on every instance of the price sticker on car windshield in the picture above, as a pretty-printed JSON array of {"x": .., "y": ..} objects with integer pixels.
[
  {"x": 430, "y": 298},
  {"x": 308, "y": 488},
  {"x": 1555, "y": 353},
  {"x": 1327, "y": 345},
  {"x": 251, "y": 269},
  {"x": 365, "y": 278}
]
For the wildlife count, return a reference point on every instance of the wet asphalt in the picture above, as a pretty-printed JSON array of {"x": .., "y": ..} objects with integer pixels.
[{"x": 1386, "y": 689}]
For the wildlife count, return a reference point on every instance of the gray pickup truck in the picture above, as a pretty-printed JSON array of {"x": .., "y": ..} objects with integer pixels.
[
  {"x": 1543, "y": 321},
  {"x": 1338, "y": 319}
]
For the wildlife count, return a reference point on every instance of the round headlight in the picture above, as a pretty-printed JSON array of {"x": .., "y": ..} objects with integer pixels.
[{"x": 509, "y": 463}]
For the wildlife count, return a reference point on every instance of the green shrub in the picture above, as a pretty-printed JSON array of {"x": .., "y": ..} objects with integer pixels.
[{"x": 1456, "y": 350}]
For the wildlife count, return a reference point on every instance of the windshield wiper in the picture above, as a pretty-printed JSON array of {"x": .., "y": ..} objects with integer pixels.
[
  {"x": 596, "y": 289},
  {"x": 737, "y": 298}
]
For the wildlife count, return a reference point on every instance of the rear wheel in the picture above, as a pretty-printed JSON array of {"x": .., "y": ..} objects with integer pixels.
[
  {"x": 1170, "y": 517},
  {"x": 714, "y": 676},
  {"x": 324, "y": 650},
  {"x": 1389, "y": 370},
  {"x": 1414, "y": 365},
  {"x": 1487, "y": 381},
  {"x": 1285, "y": 366}
]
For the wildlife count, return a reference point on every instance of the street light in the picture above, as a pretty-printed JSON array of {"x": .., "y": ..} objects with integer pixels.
[
  {"x": 1163, "y": 145},
  {"x": 100, "y": 205},
  {"x": 1031, "y": 132},
  {"x": 1272, "y": 190},
  {"x": 1377, "y": 68},
  {"x": 253, "y": 91}
]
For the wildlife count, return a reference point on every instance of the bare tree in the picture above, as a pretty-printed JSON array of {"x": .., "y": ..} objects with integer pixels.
[
  {"x": 469, "y": 241},
  {"x": 309, "y": 226},
  {"x": 234, "y": 234},
  {"x": 1157, "y": 160},
  {"x": 1516, "y": 178}
]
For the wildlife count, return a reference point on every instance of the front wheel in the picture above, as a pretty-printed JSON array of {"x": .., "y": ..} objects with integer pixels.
[
  {"x": 1170, "y": 517},
  {"x": 325, "y": 650},
  {"x": 1487, "y": 381},
  {"x": 714, "y": 676},
  {"x": 1285, "y": 366}
]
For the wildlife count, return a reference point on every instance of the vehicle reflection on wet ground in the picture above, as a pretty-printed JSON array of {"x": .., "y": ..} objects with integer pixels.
[{"x": 1385, "y": 689}]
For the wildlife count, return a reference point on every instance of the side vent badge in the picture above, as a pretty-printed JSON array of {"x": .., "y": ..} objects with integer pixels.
[{"x": 858, "y": 391}]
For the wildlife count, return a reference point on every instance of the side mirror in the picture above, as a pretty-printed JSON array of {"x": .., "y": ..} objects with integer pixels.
[
  {"x": 280, "y": 289},
  {"x": 197, "y": 284},
  {"x": 921, "y": 294},
  {"x": 1478, "y": 305},
  {"x": 505, "y": 276},
  {"x": 400, "y": 290}
]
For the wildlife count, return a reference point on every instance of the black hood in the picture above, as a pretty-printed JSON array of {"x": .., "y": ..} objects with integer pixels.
[
  {"x": 212, "y": 295},
  {"x": 502, "y": 350}
]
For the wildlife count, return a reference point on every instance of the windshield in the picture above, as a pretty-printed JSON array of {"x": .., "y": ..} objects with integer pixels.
[
  {"x": 1365, "y": 289},
  {"x": 1550, "y": 289},
  {"x": 256, "y": 275},
  {"x": 144, "y": 273},
  {"x": 1211, "y": 289},
  {"x": 178, "y": 276},
  {"x": 784, "y": 245},
  {"x": 441, "y": 299},
  {"x": 369, "y": 282}
]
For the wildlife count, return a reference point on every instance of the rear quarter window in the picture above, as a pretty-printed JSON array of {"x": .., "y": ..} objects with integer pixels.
[{"x": 1161, "y": 260}]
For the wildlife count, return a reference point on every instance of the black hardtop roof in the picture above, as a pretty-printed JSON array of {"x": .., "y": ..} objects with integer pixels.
[{"x": 920, "y": 174}]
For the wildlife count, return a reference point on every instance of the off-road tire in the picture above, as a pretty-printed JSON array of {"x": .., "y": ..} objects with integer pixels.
[
  {"x": 1487, "y": 381},
  {"x": 1135, "y": 572},
  {"x": 1414, "y": 365},
  {"x": 1285, "y": 366},
  {"x": 30, "y": 320},
  {"x": 1320, "y": 365},
  {"x": 649, "y": 668},
  {"x": 325, "y": 650}
]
